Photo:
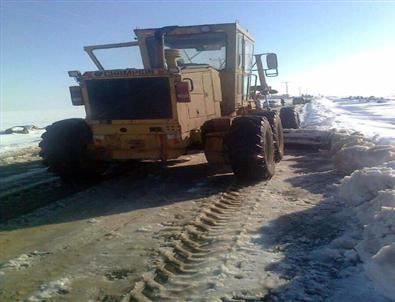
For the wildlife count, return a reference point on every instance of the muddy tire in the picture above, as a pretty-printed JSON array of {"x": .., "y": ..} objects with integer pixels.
[
  {"x": 64, "y": 151},
  {"x": 206, "y": 128},
  {"x": 278, "y": 136},
  {"x": 289, "y": 118},
  {"x": 214, "y": 125},
  {"x": 250, "y": 149}
]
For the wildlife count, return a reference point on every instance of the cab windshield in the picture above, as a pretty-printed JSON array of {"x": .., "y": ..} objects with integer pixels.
[{"x": 203, "y": 48}]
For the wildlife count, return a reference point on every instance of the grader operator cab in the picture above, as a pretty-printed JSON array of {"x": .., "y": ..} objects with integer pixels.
[{"x": 195, "y": 88}]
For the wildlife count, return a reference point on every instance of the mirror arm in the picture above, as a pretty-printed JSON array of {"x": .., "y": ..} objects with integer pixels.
[{"x": 264, "y": 87}]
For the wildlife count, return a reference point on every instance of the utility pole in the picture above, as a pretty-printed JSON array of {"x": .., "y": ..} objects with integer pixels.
[
  {"x": 286, "y": 87},
  {"x": 300, "y": 91}
]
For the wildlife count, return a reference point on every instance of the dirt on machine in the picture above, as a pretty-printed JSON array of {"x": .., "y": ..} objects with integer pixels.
[{"x": 188, "y": 87}]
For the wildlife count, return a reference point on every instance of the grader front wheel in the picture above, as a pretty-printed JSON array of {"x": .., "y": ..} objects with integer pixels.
[
  {"x": 289, "y": 118},
  {"x": 250, "y": 148},
  {"x": 278, "y": 136}
]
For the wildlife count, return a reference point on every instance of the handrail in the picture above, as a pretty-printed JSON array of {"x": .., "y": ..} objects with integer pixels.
[{"x": 90, "y": 49}]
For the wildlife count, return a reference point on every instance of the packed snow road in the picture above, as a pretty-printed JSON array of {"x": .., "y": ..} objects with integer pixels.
[{"x": 184, "y": 233}]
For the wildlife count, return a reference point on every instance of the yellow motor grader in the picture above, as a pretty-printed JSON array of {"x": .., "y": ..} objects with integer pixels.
[{"x": 187, "y": 87}]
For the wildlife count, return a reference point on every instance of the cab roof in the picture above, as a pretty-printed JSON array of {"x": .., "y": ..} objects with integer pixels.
[{"x": 191, "y": 29}]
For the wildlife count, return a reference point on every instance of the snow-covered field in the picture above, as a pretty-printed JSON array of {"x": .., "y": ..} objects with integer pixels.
[
  {"x": 374, "y": 118},
  {"x": 39, "y": 118}
]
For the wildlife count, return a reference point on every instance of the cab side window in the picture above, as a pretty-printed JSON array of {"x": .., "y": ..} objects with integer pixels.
[
  {"x": 248, "y": 55},
  {"x": 239, "y": 63}
]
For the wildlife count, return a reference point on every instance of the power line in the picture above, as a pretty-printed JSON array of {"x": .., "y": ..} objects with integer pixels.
[{"x": 286, "y": 87}]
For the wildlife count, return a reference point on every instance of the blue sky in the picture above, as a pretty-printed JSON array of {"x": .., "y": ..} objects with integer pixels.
[{"x": 328, "y": 47}]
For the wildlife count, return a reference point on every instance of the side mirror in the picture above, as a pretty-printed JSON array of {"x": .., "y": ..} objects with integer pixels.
[
  {"x": 271, "y": 65},
  {"x": 76, "y": 95},
  {"x": 271, "y": 61}
]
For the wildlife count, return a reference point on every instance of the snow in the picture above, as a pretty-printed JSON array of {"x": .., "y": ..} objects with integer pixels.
[
  {"x": 364, "y": 185},
  {"x": 358, "y": 156},
  {"x": 22, "y": 262},
  {"x": 362, "y": 147},
  {"x": 374, "y": 118},
  {"x": 39, "y": 118},
  {"x": 381, "y": 269},
  {"x": 354, "y": 286},
  {"x": 48, "y": 291},
  {"x": 369, "y": 194},
  {"x": 15, "y": 141}
]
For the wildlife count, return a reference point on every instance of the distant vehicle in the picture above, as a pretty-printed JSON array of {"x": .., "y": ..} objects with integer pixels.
[
  {"x": 26, "y": 129},
  {"x": 301, "y": 100},
  {"x": 298, "y": 100}
]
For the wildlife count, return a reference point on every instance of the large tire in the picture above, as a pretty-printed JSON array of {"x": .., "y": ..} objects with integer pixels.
[
  {"x": 64, "y": 151},
  {"x": 278, "y": 136},
  {"x": 214, "y": 125},
  {"x": 206, "y": 128},
  {"x": 289, "y": 118},
  {"x": 249, "y": 145}
]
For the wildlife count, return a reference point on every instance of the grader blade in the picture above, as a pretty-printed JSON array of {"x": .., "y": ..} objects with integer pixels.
[{"x": 307, "y": 138}]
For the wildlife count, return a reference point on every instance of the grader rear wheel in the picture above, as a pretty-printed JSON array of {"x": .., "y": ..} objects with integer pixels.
[
  {"x": 250, "y": 148},
  {"x": 64, "y": 151}
]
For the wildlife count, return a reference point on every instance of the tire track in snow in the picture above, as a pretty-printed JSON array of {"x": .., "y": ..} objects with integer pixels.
[{"x": 196, "y": 257}]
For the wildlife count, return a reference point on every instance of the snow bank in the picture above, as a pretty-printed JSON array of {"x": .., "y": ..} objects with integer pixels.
[
  {"x": 342, "y": 138},
  {"x": 381, "y": 269},
  {"x": 351, "y": 151},
  {"x": 370, "y": 193},
  {"x": 363, "y": 185},
  {"x": 355, "y": 157}
]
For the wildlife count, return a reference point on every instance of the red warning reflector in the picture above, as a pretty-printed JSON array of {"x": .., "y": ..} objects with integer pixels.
[{"x": 182, "y": 92}]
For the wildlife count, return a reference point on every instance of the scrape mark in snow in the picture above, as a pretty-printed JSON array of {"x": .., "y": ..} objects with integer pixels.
[
  {"x": 145, "y": 229},
  {"x": 22, "y": 262},
  {"x": 49, "y": 290}
]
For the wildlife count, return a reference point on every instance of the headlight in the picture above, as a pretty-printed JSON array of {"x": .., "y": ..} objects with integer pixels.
[{"x": 74, "y": 74}]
